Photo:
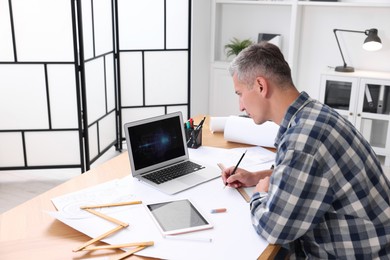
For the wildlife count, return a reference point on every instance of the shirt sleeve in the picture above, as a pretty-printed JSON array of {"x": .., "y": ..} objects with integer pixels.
[{"x": 299, "y": 196}]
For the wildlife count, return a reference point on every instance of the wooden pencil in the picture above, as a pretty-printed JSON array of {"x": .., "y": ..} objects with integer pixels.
[
  {"x": 90, "y": 242},
  {"x": 128, "y": 253},
  {"x": 146, "y": 243},
  {"x": 116, "y": 204},
  {"x": 111, "y": 219}
]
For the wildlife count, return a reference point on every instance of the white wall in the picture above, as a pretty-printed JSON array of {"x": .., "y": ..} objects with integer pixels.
[
  {"x": 201, "y": 13},
  {"x": 318, "y": 47}
]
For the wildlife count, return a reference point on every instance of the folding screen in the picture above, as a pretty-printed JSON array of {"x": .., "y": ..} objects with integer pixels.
[
  {"x": 40, "y": 118},
  {"x": 98, "y": 76},
  {"x": 154, "y": 58},
  {"x": 71, "y": 71}
]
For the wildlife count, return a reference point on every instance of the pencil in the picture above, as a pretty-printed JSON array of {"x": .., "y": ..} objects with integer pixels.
[
  {"x": 147, "y": 243},
  {"x": 128, "y": 253},
  {"x": 240, "y": 190},
  {"x": 112, "y": 204},
  {"x": 235, "y": 168},
  {"x": 113, "y": 220},
  {"x": 90, "y": 242}
]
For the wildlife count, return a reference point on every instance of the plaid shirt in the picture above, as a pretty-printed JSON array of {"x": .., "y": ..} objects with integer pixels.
[{"x": 328, "y": 196}]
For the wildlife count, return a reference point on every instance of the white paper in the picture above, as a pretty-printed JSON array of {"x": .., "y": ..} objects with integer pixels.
[
  {"x": 217, "y": 124},
  {"x": 69, "y": 204},
  {"x": 244, "y": 130},
  {"x": 226, "y": 226},
  {"x": 254, "y": 157}
]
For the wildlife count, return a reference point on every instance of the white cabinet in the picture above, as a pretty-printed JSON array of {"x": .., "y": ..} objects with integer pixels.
[
  {"x": 307, "y": 42},
  {"x": 364, "y": 98}
]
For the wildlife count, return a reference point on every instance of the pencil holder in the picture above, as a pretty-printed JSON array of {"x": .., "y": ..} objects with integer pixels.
[{"x": 193, "y": 137}]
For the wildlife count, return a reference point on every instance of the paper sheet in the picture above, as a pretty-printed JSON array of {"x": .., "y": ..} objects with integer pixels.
[
  {"x": 69, "y": 204},
  {"x": 217, "y": 124},
  {"x": 244, "y": 130},
  {"x": 210, "y": 195},
  {"x": 254, "y": 157}
]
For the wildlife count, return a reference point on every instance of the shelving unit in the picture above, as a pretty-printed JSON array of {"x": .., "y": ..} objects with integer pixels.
[
  {"x": 364, "y": 98},
  {"x": 297, "y": 22}
]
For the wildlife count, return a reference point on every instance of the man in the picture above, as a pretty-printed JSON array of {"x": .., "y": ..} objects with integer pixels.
[{"x": 327, "y": 196}]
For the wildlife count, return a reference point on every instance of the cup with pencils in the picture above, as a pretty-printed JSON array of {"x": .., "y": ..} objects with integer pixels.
[{"x": 193, "y": 133}]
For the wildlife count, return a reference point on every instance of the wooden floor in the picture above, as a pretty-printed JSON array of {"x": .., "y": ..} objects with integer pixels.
[{"x": 19, "y": 186}]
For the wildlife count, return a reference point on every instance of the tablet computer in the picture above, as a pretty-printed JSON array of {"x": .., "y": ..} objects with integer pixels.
[{"x": 177, "y": 217}]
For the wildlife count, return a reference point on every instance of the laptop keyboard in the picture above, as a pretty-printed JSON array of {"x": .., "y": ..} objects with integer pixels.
[{"x": 173, "y": 172}]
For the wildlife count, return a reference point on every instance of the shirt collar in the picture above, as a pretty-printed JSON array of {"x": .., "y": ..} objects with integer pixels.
[{"x": 292, "y": 109}]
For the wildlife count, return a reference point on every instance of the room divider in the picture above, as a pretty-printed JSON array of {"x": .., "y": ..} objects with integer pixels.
[{"x": 72, "y": 72}]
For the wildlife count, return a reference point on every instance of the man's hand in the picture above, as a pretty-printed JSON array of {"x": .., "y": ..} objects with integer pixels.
[
  {"x": 243, "y": 178},
  {"x": 262, "y": 185}
]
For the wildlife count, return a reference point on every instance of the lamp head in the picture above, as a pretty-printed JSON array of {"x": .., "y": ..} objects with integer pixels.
[{"x": 372, "y": 42}]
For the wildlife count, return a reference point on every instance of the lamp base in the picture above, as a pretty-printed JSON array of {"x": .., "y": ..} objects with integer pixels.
[{"x": 344, "y": 69}]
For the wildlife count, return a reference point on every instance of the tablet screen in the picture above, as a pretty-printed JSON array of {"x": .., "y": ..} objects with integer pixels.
[{"x": 178, "y": 216}]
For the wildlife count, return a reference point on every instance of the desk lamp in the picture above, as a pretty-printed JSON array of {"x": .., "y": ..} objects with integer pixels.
[{"x": 371, "y": 43}]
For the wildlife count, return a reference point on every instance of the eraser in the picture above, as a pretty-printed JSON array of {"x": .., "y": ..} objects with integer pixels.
[{"x": 218, "y": 210}]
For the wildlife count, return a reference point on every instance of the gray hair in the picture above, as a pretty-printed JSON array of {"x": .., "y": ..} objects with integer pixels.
[{"x": 261, "y": 59}]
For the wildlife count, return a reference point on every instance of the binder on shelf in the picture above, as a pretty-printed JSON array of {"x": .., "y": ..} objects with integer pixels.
[
  {"x": 369, "y": 98},
  {"x": 380, "y": 106},
  {"x": 271, "y": 38}
]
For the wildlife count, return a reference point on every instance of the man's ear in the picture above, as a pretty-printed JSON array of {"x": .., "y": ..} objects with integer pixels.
[{"x": 262, "y": 85}]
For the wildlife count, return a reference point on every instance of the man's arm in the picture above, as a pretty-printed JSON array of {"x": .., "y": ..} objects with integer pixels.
[{"x": 285, "y": 213}]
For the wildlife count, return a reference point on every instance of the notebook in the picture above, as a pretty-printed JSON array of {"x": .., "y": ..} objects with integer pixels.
[{"x": 158, "y": 144}]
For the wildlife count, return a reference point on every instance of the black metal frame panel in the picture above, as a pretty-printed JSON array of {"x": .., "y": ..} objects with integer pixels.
[
  {"x": 122, "y": 50},
  {"x": 90, "y": 124},
  {"x": 25, "y": 131}
]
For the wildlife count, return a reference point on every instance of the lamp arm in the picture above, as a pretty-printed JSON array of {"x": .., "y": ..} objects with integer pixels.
[{"x": 338, "y": 43}]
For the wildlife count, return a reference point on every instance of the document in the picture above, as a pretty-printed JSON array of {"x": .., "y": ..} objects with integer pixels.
[
  {"x": 241, "y": 129},
  {"x": 244, "y": 130},
  {"x": 217, "y": 124},
  {"x": 221, "y": 242},
  {"x": 254, "y": 157}
]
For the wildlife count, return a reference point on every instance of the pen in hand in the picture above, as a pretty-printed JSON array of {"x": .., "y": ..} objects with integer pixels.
[{"x": 235, "y": 168}]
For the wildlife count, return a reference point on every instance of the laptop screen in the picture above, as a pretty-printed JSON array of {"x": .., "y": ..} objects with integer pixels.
[{"x": 157, "y": 141}]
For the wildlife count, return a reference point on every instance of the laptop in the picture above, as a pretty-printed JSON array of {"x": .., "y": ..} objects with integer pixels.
[{"x": 158, "y": 154}]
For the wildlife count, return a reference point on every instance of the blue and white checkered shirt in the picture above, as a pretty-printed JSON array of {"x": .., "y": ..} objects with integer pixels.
[{"x": 328, "y": 196}]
